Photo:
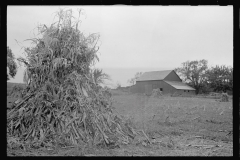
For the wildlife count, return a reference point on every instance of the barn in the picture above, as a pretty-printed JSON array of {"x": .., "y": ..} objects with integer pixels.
[{"x": 167, "y": 81}]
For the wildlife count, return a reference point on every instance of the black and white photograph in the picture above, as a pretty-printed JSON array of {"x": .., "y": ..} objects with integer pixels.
[{"x": 119, "y": 80}]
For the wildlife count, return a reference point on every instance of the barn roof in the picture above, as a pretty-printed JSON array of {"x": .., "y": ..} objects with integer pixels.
[
  {"x": 179, "y": 85},
  {"x": 154, "y": 75}
]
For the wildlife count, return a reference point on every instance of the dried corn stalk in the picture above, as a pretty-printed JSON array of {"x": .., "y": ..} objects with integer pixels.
[
  {"x": 63, "y": 105},
  {"x": 224, "y": 97}
]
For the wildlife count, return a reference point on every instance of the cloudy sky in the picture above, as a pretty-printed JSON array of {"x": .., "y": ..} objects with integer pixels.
[{"x": 137, "y": 38}]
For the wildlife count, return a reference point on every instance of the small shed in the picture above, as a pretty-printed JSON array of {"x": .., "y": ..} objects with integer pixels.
[{"x": 166, "y": 81}]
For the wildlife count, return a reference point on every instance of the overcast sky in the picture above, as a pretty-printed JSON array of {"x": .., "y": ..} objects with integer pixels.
[{"x": 137, "y": 38}]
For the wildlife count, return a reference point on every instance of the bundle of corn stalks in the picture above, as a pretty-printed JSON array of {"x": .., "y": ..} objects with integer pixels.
[
  {"x": 156, "y": 93},
  {"x": 224, "y": 97},
  {"x": 63, "y": 104}
]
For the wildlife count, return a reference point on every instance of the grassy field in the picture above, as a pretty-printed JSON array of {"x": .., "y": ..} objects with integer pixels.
[
  {"x": 193, "y": 126},
  {"x": 176, "y": 126}
]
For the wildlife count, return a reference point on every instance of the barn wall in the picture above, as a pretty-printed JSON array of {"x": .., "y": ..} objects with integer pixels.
[
  {"x": 172, "y": 76},
  {"x": 181, "y": 92},
  {"x": 168, "y": 89},
  {"x": 148, "y": 86}
]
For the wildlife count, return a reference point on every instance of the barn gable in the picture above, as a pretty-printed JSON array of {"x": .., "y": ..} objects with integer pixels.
[{"x": 172, "y": 76}]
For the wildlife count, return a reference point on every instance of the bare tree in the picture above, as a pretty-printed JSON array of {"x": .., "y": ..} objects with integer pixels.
[{"x": 132, "y": 81}]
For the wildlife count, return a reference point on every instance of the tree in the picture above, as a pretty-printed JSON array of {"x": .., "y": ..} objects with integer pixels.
[
  {"x": 220, "y": 78},
  {"x": 194, "y": 73},
  {"x": 99, "y": 76},
  {"x": 11, "y": 64},
  {"x": 132, "y": 81}
]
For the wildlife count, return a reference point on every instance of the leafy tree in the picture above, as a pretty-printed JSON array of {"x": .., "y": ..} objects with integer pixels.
[
  {"x": 220, "y": 78},
  {"x": 99, "y": 76},
  {"x": 132, "y": 81},
  {"x": 11, "y": 64},
  {"x": 194, "y": 73}
]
